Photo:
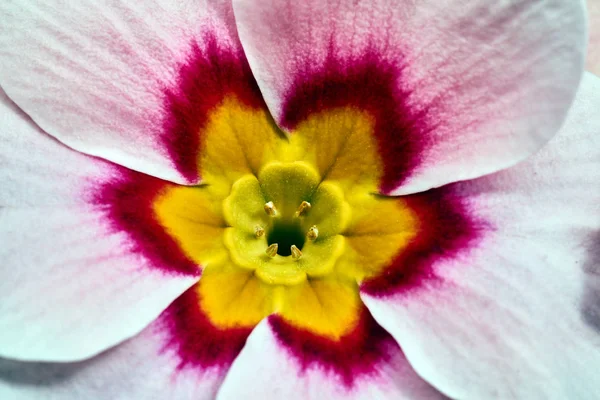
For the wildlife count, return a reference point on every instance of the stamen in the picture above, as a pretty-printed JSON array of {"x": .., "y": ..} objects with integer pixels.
[
  {"x": 313, "y": 233},
  {"x": 259, "y": 231},
  {"x": 270, "y": 209},
  {"x": 296, "y": 253},
  {"x": 303, "y": 208},
  {"x": 272, "y": 250}
]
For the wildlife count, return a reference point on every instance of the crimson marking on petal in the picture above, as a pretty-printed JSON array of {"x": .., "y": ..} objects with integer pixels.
[
  {"x": 445, "y": 229},
  {"x": 357, "y": 354},
  {"x": 129, "y": 199},
  {"x": 196, "y": 341},
  {"x": 370, "y": 84},
  {"x": 204, "y": 80}
]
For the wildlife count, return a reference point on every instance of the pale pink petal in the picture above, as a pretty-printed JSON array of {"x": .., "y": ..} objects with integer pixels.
[
  {"x": 457, "y": 89},
  {"x": 593, "y": 55},
  {"x": 145, "y": 367},
  {"x": 267, "y": 369},
  {"x": 73, "y": 282},
  {"x": 517, "y": 314},
  {"x": 100, "y": 76}
]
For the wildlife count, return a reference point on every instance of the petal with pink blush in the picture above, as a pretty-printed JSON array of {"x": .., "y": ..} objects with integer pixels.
[
  {"x": 268, "y": 367},
  {"x": 516, "y": 314},
  {"x": 101, "y": 77},
  {"x": 30, "y": 173},
  {"x": 457, "y": 90},
  {"x": 148, "y": 366},
  {"x": 72, "y": 282},
  {"x": 593, "y": 55}
]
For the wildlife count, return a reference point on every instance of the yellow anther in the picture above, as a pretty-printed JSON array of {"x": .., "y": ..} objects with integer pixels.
[
  {"x": 272, "y": 250},
  {"x": 296, "y": 253},
  {"x": 303, "y": 208},
  {"x": 270, "y": 209},
  {"x": 259, "y": 231},
  {"x": 313, "y": 233}
]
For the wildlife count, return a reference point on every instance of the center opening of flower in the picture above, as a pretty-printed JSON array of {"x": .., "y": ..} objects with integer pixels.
[
  {"x": 285, "y": 223},
  {"x": 286, "y": 234}
]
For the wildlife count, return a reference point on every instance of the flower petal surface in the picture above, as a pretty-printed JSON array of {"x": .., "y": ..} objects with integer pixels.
[
  {"x": 456, "y": 90},
  {"x": 268, "y": 368},
  {"x": 515, "y": 315},
  {"x": 73, "y": 283},
  {"x": 106, "y": 78},
  {"x": 593, "y": 55},
  {"x": 151, "y": 365}
]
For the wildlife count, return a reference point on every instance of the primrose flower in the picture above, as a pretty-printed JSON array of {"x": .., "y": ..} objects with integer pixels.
[{"x": 298, "y": 200}]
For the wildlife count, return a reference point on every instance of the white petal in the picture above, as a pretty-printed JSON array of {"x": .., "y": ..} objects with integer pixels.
[
  {"x": 267, "y": 369},
  {"x": 97, "y": 75},
  {"x": 457, "y": 89},
  {"x": 517, "y": 314},
  {"x": 72, "y": 284},
  {"x": 593, "y": 55},
  {"x": 145, "y": 367}
]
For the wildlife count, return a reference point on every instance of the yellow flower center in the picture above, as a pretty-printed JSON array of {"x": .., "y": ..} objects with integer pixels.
[{"x": 286, "y": 224}]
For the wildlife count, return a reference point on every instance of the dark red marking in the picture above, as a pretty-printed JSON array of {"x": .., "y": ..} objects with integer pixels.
[
  {"x": 360, "y": 352},
  {"x": 204, "y": 80},
  {"x": 208, "y": 76},
  {"x": 368, "y": 84},
  {"x": 129, "y": 199},
  {"x": 197, "y": 341},
  {"x": 446, "y": 228}
]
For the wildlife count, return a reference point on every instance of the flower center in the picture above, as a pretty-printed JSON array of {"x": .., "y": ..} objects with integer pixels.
[{"x": 285, "y": 223}]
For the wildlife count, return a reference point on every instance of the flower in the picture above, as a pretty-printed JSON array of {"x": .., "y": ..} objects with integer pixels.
[{"x": 298, "y": 200}]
